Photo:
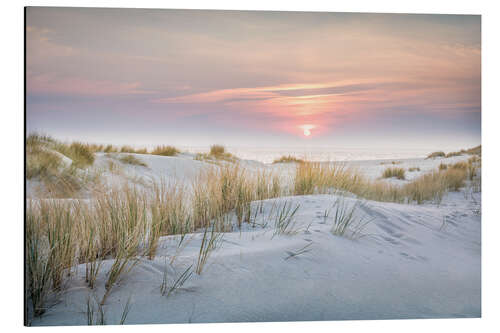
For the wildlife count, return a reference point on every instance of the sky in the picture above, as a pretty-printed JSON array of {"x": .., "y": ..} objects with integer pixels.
[{"x": 254, "y": 78}]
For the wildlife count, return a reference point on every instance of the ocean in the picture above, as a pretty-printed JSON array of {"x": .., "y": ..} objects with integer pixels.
[{"x": 268, "y": 155}]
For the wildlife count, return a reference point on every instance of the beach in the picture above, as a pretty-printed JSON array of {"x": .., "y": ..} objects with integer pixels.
[{"x": 409, "y": 261}]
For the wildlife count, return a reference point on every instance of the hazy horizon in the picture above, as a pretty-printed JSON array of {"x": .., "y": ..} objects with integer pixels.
[{"x": 254, "y": 78}]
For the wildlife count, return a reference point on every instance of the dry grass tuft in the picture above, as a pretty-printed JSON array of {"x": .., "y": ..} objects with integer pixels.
[
  {"x": 216, "y": 150},
  {"x": 81, "y": 155},
  {"x": 288, "y": 159},
  {"x": 165, "y": 151},
  {"x": 455, "y": 178},
  {"x": 311, "y": 178},
  {"x": 436, "y": 154},
  {"x": 217, "y": 153},
  {"x": 46, "y": 161},
  {"x": 169, "y": 214},
  {"x": 392, "y": 162},
  {"x": 473, "y": 164},
  {"x": 131, "y": 159},
  {"x": 230, "y": 187},
  {"x": 38, "y": 269},
  {"x": 127, "y": 149},
  {"x": 474, "y": 159},
  {"x": 460, "y": 165},
  {"x": 430, "y": 186},
  {"x": 124, "y": 224},
  {"x": 216, "y": 193},
  {"x": 42, "y": 164},
  {"x": 399, "y": 173},
  {"x": 473, "y": 151},
  {"x": 110, "y": 149},
  {"x": 315, "y": 177},
  {"x": 454, "y": 153}
]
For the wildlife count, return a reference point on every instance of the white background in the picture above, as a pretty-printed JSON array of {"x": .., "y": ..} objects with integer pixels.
[{"x": 11, "y": 160}]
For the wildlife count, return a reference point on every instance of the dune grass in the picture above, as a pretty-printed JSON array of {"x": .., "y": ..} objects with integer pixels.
[
  {"x": 217, "y": 153},
  {"x": 398, "y": 173},
  {"x": 453, "y": 153},
  {"x": 210, "y": 241},
  {"x": 217, "y": 191},
  {"x": 473, "y": 164},
  {"x": 217, "y": 150},
  {"x": 459, "y": 165},
  {"x": 127, "y": 149},
  {"x": 116, "y": 149},
  {"x": 96, "y": 315},
  {"x": 346, "y": 223},
  {"x": 80, "y": 154},
  {"x": 110, "y": 149},
  {"x": 288, "y": 159},
  {"x": 455, "y": 179},
  {"x": 124, "y": 224},
  {"x": 343, "y": 217},
  {"x": 113, "y": 225},
  {"x": 169, "y": 214},
  {"x": 474, "y": 159},
  {"x": 436, "y": 154},
  {"x": 284, "y": 222},
  {"x": 296, "y": 253},
  {"x": 167, "y": 288},
  {"x": 38, "y": 268},
  {"x": 132, "y": 160},
  {"x": 60, "y": 233},
  {"x": 473, "y": 151},
  {"x": 165, "y": 151},
  {"x": 313, "y": 177},
  {"x": 61, "y": 167},
  {"x": 391, "y": 162},
  {"x": 42, "y": 164}
]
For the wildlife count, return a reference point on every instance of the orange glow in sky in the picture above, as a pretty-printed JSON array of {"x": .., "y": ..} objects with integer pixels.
[{"x": 254, "y": 78}]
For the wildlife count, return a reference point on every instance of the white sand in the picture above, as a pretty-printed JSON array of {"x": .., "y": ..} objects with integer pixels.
[{"x": 409, "y": 265}]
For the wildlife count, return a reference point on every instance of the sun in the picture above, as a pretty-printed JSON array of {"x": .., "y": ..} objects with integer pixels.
[{"x": 307, "y": 129}]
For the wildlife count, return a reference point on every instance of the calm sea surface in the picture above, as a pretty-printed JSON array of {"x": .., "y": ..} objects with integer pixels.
[{"x": 268, "y": 155}]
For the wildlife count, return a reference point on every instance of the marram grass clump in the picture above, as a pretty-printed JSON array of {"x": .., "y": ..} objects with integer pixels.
[
  {"x": 165, "y": 151},
  {"x": 398, "y": 173},
  {"x": 132, "y": 160},
  {"x": 436, "y": 154},
  {"x": 62, "y": 168},
  {"x": 321, "y": 178},
  {"x": 288, "y": 159},
  {"x": 217, "y": 153}
]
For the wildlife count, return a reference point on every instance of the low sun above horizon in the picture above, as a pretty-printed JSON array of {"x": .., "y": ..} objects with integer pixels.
[
  {"x": 348, "y": 81},
  {"x": 307, "y": 129}
]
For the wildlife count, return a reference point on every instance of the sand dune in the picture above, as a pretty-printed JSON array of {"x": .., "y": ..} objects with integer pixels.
[{"x": 413, "y": 261}]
